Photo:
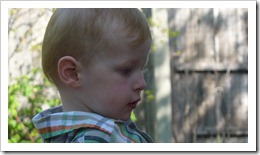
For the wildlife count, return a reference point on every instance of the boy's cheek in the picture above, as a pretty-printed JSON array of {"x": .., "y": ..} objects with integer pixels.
[
  {"x": 122, "y": 89},
  {"x": 117, "y": 93}
]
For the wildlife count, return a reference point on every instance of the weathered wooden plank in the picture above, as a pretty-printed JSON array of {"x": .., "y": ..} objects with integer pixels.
[
  {"x": 209, "y": 70},
  {"x": 205, "y": 100},
  {"x": 162, "y": 76},
  {"x": 209, "y": 38}
]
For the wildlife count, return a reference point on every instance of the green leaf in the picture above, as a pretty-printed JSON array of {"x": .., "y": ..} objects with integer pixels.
[
  {"x": 36, "y": 47},
  {"x": 12, "y": 123},
  {"x": 173, "y": 34},
  {"x": 133, "y": 117}
]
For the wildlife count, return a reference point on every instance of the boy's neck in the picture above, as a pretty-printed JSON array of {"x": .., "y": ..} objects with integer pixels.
[{"x": 72, "y": 104}]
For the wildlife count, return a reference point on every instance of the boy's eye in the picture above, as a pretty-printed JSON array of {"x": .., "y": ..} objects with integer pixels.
[{"x": 126, "y": 72}]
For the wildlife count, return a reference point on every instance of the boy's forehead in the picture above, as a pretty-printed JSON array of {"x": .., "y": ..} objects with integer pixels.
[
  {"x": 127, "y": 55},
  {"x": 120, "y": 45}
]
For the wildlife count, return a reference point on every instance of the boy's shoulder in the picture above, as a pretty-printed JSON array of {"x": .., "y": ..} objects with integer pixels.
[
  {"x": 57, "y": 126},
  {"x": 54, "y": 125}
]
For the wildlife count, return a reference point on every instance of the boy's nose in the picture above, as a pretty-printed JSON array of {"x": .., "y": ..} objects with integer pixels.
[{"x": 140, "y": 83}]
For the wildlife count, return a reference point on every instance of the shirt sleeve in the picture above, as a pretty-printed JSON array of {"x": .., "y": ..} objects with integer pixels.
[
  {"x": 94, "y": 139},
  {"x": 88, "y": 135}
]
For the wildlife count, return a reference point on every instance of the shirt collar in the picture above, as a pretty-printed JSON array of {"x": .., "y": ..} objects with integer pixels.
[{"x": 57, "y": 122}]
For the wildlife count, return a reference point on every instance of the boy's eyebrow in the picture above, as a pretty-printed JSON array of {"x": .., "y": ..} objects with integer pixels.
[
  {"x": 135, "y": 62},
  {"x": 127, "y": 62}
]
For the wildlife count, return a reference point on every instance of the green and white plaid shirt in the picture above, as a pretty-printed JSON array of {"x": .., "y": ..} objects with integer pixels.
[{"x": 56, "y": 126}]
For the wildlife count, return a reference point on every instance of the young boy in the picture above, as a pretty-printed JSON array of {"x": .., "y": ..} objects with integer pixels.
[{"x": 95, "y": 57}]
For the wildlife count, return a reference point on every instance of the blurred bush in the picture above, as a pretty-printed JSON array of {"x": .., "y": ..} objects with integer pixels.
[
  {"x": 28, "y": 90},
  {"x": 26, "y": 99}
]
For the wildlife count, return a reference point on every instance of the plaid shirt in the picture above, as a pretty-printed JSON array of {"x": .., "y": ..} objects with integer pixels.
[{"x": 56, "y": 126}]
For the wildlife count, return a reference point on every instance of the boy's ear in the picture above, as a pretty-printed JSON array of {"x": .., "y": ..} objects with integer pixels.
[{"x": 68, "y": 71}]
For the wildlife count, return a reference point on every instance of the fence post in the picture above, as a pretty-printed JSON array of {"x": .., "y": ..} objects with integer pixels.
[
  {"x": 162, "y": 75},
  {"x": 149, "y": 102}
]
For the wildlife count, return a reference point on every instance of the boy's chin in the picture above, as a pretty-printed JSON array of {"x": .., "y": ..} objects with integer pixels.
[
  {"x": 122, "y": 117},
  {"x": 125, "y": 118}
]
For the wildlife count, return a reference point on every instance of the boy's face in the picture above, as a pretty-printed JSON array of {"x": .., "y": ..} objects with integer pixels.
[{"x": 113, "y": 80}]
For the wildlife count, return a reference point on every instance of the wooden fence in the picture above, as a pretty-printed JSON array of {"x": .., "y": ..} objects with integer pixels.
[{"x": 208, "y": 76}]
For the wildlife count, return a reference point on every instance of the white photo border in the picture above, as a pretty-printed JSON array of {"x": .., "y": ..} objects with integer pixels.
[{"x": 250, "y": 146}]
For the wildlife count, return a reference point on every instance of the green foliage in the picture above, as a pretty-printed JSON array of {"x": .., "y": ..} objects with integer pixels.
[
  {"x": 149, "y": 96},
  {"x": 171, "y": 34},
  {"x": 25, "y": 100},
  {"x": 53, "y": 9},
  {"x": 218, "y": 138},
  {"x": 133, "y": 117},
  {"x": 36, "y": 47}
]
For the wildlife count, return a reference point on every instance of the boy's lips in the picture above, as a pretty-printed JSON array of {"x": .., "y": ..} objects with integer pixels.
[{"x": 133, "y": 104}]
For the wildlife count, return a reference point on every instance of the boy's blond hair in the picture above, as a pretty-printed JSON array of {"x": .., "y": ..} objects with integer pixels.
[{"x": 81, "y": 33}]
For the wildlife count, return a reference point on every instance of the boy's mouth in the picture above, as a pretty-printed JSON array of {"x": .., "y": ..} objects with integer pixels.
[{"x": 133, "y": 104}]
